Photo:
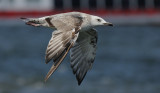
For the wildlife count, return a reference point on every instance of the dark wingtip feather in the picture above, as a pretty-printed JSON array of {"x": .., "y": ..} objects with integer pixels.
[
  {"x": 79, "y": 83},
  {"x": 80, "y": 79}
]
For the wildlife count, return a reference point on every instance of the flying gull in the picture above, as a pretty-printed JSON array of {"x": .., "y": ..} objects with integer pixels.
[{"x": 73, "y": 31}]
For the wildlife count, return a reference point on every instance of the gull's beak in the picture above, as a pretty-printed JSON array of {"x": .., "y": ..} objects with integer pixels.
[{"x": 108, "y": 24}]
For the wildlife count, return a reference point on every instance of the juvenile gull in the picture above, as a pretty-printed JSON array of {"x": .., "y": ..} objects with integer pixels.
[{"x": 73, "y": 31}]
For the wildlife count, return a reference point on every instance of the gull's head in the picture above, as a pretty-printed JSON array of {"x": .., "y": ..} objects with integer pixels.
[{"x": 98, "y": 21}]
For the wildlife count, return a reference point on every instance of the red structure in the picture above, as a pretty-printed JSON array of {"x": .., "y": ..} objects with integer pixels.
[{"x": 100, "y": 7}]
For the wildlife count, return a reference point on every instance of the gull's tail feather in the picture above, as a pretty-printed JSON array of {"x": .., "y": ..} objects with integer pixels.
[
  {"x": 24, "y": 19},
  {"x": 31, "y": 21}
]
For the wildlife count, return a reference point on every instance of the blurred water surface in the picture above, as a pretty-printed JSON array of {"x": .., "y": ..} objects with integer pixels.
[{"x": 127, "y": 61}]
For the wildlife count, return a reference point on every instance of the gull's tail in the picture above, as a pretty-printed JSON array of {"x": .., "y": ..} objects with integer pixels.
[{"x": 31, "y": 21}]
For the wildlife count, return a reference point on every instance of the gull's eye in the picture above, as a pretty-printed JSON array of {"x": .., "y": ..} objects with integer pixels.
[{"x": 99, "y": 20}]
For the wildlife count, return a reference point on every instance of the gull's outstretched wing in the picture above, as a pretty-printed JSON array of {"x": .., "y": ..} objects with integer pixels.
[
  {"x": 62, "y": 39},
  {"x": 83, "y": 53}
]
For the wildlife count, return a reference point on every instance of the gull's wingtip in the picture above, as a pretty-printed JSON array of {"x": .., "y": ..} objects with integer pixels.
[
  {"x": 45, "y": 79},
  {"x": 49, "y": 73}
]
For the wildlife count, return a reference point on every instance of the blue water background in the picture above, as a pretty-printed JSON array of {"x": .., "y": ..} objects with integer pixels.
[{"x": 127, "y": 61}]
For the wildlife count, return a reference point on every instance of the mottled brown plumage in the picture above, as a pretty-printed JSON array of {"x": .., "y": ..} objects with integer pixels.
[{"x": 74, "y": 30}]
